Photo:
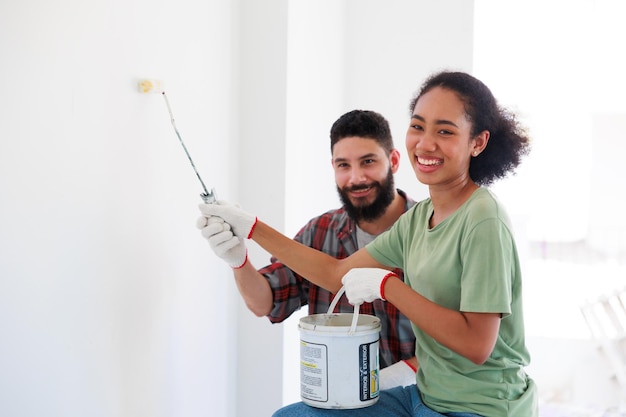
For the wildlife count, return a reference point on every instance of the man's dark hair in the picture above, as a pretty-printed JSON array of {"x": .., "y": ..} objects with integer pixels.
[{"x": 364, "y": 124}]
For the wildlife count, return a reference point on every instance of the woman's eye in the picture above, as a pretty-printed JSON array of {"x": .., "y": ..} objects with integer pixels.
[
  {"x": 417, "y": 127},
  {"x": 445, "y": 132}
]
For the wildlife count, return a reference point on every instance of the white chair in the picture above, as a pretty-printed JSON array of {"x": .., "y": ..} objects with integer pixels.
[{"x": 606, "y": 319}]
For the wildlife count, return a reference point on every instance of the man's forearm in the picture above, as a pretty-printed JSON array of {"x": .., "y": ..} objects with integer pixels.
[{"x": 254, "y": 289}]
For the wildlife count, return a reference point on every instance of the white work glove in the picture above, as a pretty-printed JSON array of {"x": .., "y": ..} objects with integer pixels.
[
  {"x": 242, "y": 223},
  {"x": 365, "y": 284},
  {"x": 400, "y": 374},
  {"x": 227, "y": 246}
]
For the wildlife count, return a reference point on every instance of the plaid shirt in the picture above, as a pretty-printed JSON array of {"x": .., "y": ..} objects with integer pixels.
[{"x": 335, "y": 234}]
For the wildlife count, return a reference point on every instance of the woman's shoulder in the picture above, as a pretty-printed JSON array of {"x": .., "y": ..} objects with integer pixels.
[{"x": 484, "y": 204}]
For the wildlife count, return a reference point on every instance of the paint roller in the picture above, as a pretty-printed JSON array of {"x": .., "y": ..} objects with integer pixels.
[{"x": 155, "y": 86}]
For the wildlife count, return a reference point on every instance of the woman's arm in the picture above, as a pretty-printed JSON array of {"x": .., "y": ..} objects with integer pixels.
[
  {"x": 318, "y": 267},
  {"x": 472, "y": 335}
]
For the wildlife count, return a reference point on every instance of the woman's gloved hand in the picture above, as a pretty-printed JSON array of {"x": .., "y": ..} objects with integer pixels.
[
  {"x": 223, "y": 242},
  {"x": 365, "y": 284},
  {"x": 241, "y": 223}
]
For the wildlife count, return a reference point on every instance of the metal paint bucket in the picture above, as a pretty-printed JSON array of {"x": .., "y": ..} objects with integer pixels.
[{"x": 339, "y": 359}]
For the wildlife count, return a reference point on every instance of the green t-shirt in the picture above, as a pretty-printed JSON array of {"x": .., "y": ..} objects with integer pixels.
[{"x": 467, "y": 263}]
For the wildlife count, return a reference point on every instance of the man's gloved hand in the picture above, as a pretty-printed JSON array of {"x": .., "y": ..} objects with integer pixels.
[
  {"x": 227, "y": 246},
  {"x": 400, "y": 374},
  {"x": 242, "y": 223},
  {"x": 365, "y": 284}
]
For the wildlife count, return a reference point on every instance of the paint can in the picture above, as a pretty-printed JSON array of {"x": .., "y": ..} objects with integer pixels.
[{"x": 339, "y": 364}]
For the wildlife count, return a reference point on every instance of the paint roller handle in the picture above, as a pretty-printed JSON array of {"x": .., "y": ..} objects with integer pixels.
[{"x": 209, "y": 197}]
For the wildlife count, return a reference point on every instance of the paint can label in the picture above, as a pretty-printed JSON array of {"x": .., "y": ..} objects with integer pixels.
[
  {"x": 368, "y": 371},
  {"x": 313, "y": 371}
]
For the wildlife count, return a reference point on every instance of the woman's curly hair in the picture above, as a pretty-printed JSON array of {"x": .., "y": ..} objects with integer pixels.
[{"x": 508, "y": 141}]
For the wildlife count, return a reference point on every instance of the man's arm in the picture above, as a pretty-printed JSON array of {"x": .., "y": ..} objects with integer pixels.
[{"x": 254, "y": 289}]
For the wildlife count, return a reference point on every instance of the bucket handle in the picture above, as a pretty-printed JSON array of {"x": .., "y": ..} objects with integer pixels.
[{"x": 355, "y": 316}]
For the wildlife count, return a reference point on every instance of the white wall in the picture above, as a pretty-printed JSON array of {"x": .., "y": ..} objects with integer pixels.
[
  {"x": 110, "y": 304},
  {"x": 260, "y": 162}
]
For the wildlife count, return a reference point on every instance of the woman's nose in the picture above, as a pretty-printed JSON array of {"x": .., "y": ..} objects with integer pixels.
[{"x": 425, "y": 143}]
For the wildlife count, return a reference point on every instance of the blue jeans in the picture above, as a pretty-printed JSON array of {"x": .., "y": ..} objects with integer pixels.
[{"x": 394, "y": 402}]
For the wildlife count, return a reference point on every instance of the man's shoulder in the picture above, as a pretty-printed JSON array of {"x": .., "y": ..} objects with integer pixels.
[
  {"x": 409, "y": 201},
  {"x": 335, "y": 221}
]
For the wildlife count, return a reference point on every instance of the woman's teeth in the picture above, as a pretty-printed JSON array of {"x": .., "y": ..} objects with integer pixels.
[{"x": 429, "y": 162}]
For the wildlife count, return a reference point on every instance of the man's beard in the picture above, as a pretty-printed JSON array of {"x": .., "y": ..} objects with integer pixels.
[{"x": 385, "y": 194}]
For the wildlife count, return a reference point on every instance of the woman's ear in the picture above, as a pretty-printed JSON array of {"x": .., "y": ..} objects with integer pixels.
[{"x": 480, "y": 142}]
